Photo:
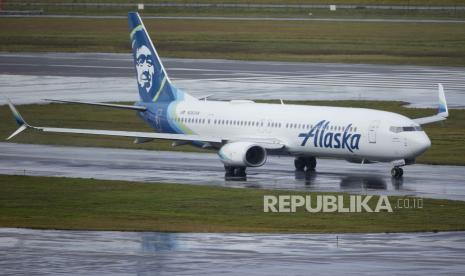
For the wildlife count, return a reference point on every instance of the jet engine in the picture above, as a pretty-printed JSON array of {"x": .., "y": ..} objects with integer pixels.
[{"x": 242, "y": 154}]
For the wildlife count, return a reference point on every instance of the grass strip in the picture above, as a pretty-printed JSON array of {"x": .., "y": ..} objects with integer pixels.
[
  {"x": 387, "y": 43},
  {"x": 65, "y": 203}
]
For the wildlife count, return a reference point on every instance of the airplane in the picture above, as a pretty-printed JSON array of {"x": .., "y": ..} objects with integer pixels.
[{"x": 244, "y": 133}]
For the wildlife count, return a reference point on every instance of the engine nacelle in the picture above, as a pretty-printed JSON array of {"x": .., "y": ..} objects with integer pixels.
[{"x": 242, "y": 154}]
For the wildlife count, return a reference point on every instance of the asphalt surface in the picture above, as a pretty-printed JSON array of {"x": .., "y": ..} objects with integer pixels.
[
  {"x": 38, "y": 252},
  {"x": 205, "y": 169},
  {"x": 29, "y": 78}
]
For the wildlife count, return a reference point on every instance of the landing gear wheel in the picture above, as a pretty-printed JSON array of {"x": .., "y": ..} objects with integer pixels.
[
  {"x": 310, "y": 163},
  {"x": 397, "y": 172},
  {"x": 401, "y": 172},
  {"x": 299, "y": 164},
  {"x": 229, "y": 171},
  {"x": 233, "y": 172},
  {"x": 240, "y": 172}
]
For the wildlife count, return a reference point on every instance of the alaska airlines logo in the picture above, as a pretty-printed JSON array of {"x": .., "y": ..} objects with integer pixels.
[
  {"x": 327, "y": 139},
  {"x": 145, "y": 68},
  {"x": 150, "y": 76}
]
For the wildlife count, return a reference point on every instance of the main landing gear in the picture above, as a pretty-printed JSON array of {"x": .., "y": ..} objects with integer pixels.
[
  {"x": 235, "y": 172},
  {"x": 302, "y": 163},
  {"x": 397, "y": 172}
]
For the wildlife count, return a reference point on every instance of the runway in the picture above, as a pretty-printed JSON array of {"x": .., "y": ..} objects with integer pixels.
[
  {"x": 37, "y": 252},
  {"x": 445, "y": 182},
  {"x": 29, "y": 78}
]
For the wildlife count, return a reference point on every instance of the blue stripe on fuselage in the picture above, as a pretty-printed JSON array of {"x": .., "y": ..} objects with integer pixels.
[{"x": 157, "y": 116}]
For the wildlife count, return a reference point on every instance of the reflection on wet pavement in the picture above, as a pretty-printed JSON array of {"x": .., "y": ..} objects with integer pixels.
[
  {"x": 32, "y": 252},
  {"x": 205, "y": 169}
]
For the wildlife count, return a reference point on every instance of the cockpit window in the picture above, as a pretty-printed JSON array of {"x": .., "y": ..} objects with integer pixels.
[{"x": 403, "y": 129}]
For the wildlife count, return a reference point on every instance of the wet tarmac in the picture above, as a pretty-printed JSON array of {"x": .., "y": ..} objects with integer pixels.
[
  {"x": 39, "y": 252},
  {"x": 447, "y": 182},
  {"x": 29, "y": 78}
]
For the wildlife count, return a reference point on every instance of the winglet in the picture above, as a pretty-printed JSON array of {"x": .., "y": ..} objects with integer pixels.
[
  {"x": 442, "y": 111},
  {"x": 19, "y": 120}
]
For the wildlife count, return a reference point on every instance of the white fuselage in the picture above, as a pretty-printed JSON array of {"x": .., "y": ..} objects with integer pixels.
[{"x": 349, "y": 133}]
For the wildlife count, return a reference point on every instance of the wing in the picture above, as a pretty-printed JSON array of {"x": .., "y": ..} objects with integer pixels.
[
  {"x": 23, "y": 125},
  {"x": 131, "y": 107},
  {"x": 443, "y": 111},
  {"x": 269, "y": 144}
]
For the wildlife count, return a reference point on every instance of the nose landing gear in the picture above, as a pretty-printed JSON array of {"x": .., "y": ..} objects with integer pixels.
[{"x": 397, "y": 172}]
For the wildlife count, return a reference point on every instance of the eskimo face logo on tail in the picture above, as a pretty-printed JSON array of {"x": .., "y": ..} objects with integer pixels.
[
  {"x": 145, "y": 68},
  {"x": 328, "y": 139}
]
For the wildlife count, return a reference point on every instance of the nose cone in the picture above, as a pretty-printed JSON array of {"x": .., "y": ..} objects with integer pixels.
[{"x": 419, "y": 143}]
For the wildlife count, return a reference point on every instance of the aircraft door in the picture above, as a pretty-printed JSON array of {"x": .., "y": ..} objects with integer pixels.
[{"x": 372, "y": 130}]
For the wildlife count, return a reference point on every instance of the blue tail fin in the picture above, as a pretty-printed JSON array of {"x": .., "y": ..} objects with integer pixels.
[{"x": 153, "y": 82}]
